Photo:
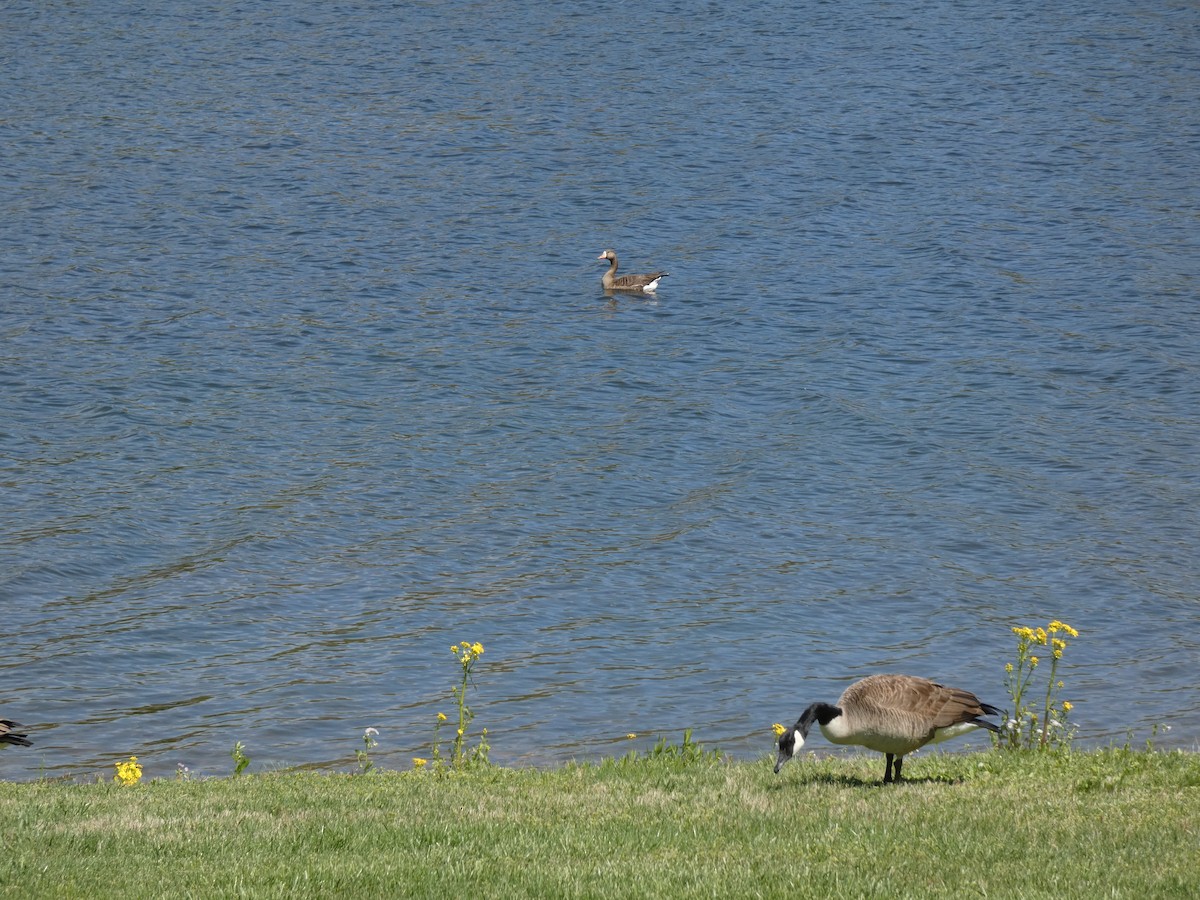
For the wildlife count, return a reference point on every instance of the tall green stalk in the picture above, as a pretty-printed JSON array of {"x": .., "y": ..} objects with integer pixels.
[{"x": 467, "y": 653}]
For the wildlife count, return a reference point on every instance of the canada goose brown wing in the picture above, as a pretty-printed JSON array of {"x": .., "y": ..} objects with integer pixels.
[
  {"x": 933, "y": 705},
  {"x": 886, "y": 692},
  {"x": 952, "y": 706},
  {"x": 924, "y": 703}
]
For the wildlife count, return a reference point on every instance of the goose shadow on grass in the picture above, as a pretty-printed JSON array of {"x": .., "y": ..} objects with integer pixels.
[{"x": 840, "y": 779}]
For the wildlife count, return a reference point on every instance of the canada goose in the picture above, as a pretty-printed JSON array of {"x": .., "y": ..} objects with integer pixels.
[
  {"x": 611, "y": 282},
  {"x": 893, "y": 714},
  {"x": 9, "y": 736}
]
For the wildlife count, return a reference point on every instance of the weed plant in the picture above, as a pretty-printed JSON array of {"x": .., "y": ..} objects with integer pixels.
[
  {"x": 240, "y": 759},
  {"x": 461, "y": 755},
  {"x": 365, "y": 763},
  {"x": 1039, "y": 719}
]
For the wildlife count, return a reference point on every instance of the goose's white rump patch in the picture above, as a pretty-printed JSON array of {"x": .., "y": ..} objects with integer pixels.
[{"x": 953, "y": 731}]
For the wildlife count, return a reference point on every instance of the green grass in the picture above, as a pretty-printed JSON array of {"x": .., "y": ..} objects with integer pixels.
[{"x": 1001, "y": 824}]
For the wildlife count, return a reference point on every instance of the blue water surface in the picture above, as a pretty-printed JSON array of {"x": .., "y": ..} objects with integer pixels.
[{"x": 306, "y": 373}]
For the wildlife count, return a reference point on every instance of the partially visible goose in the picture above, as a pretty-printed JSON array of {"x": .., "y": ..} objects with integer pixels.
[
  {"x": 9, "y": 736},
  {"x": 892, "y": 714},
  {"x": 611, "y": 282}
]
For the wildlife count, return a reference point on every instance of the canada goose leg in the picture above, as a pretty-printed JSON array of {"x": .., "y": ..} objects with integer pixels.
[{"x": 892, "y": 772}]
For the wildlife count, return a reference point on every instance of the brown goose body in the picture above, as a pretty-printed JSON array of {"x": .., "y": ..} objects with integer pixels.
[
  {"x": 10, "y": 735},
  {"x": 612, "y": 282},
  {"x": 893, "y": 715}
]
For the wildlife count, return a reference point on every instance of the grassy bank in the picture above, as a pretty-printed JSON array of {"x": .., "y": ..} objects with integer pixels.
[{"x": 1114, "y": 824}]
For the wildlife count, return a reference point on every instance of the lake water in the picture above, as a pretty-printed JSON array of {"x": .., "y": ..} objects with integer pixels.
[{"x": 306, "y": 372}]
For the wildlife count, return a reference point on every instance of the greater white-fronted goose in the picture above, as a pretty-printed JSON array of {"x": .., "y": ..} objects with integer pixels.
[
  {"x": 10, "y": 735},
  {"x": 891, "y": 714},
  {"x": 611, "y": 282}
]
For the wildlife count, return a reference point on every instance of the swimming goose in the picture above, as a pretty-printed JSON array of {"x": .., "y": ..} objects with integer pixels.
[
  {"x": 611, "y": 282},
  {"x": 9, "y": 736},
  {"x": 892, "y": 714}
]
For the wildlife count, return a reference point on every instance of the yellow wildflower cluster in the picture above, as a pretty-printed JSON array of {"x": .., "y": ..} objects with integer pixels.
[
  {"x": 1045, "y": 637},
  {"x": 778, "y": 729},
  {"x": 1049, "y": 724},
  {"x": 467, "y": 652},
  {"x": 129, "y": 772}
]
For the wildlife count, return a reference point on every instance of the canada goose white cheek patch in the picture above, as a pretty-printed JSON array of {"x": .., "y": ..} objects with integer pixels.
[{"x": 790, "y": 743}]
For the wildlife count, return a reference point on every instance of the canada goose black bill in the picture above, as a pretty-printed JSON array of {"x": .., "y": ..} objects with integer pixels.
[
  {"x": 10, "y": 735},
  {"x": 610, "y": 281},
  {"x": 893, "y": 715}
]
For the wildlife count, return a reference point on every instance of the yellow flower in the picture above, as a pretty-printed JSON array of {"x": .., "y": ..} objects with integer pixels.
[
  {"x": 1056, "y": 625},
  {"x": 128, "y": 772},
  {"x": 1008, "y": 667},
  {"x": 418, "y": 762},
  {"x": 460, "y": 732},
  {"x": 1057, "y": 653},
  {"x": 778, "y": 729},
  {"x": 441, "y": 717},
  {"x": 1068, "y": 706},
  {"x": 454, "y": 649},
  {"x": 477, "y": 648},
  {"x": 1033, "y": 660},
  {"x": 1041, "y": 635}
]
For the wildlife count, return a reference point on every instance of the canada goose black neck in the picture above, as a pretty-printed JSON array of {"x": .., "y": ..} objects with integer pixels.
[{"x": 821, "y": 713}]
